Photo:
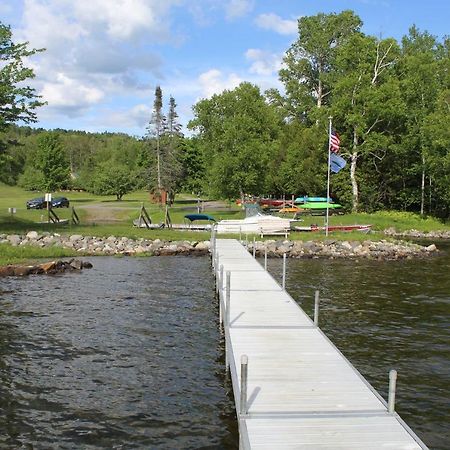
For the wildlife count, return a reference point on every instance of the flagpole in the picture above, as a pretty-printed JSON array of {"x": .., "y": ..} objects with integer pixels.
[{"x": 328, "y": 177}]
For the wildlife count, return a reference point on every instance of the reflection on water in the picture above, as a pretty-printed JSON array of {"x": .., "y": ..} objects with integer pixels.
[
  {"x": 385, "y": 315},
  {"x": 125, "y": 355}
]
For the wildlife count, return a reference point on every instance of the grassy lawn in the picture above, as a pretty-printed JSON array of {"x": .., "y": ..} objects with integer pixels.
[{"x": 28, "y": 254}]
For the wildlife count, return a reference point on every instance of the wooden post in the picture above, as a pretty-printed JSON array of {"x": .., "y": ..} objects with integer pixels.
[
  {"x": 284, "y": 272},
  {"x": 265, "y": 257}
]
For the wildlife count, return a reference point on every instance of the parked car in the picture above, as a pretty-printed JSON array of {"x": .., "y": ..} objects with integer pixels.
[
  {"x": 60, "y": 202},
  {"x": 37, "y": 203},
  {"x": 40, "y": 203}
]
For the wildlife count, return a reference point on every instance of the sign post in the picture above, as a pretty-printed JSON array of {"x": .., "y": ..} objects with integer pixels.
[{"x": 48, "y": 201}]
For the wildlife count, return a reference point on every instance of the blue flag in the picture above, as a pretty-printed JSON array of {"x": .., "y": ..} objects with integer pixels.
[{"x": 336, "y": 162}]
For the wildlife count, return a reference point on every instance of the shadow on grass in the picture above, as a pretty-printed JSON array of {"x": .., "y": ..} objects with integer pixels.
[
  {"x": 14, "y": 226},
  {"x": 83, "y": 200}
]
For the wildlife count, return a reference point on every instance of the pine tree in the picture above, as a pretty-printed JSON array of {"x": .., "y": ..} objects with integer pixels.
[{"x": 157, "y": 128}]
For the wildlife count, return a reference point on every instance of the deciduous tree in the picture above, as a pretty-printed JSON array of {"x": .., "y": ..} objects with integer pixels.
[{"x": 18, "y": 102}]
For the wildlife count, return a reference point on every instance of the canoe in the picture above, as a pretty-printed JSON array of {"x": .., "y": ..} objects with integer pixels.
[
  {"x": 320, "y": 205},
  {"x": 306, "y": 199},
  {"x": 331, "y": 228}
]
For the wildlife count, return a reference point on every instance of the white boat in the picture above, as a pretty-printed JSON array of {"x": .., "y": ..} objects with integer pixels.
[{"x": 259, "y": 224}]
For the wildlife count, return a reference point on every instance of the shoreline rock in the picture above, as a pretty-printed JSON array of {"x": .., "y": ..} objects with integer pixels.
[
  {"x": 329, "y": 249},
  {"x": 417, "y": 234},
  {"x": 49, "y": 268}
]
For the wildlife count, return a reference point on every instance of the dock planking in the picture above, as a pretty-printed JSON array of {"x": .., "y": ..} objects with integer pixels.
[{"x": 301, "y": 393}]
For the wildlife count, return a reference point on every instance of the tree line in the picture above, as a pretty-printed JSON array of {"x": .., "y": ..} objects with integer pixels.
[{"x": 389, "y": 102}]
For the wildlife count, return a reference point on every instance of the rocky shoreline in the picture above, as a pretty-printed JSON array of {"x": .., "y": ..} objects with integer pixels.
[
  {"x": 330, "y": 249},
  {"x": 417, "y": 234},
  {"x": 49, "y": 268}
]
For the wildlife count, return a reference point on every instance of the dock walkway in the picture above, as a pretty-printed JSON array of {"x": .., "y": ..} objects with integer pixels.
[{"x": 302, "y": 393}]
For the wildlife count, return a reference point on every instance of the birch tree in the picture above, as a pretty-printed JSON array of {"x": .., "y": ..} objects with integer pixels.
[{"x": 367, "y": 103}]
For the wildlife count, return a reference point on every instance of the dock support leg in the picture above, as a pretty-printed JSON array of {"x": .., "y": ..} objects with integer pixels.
[
  {"x": 254, "y": 248},
  {"x": 284, "y": 272},
  {"x": 392, "y": 388},
  {"x": 216, "y": 269},
  {"x": 227, "y": 316},
  {"x": 244, "y": 381},
  {"x": 220, "y": 290},
  {"x": 316, "y": 308},
  {"x": 265, "y": 257},
  {"x": 228, "y": 298}
]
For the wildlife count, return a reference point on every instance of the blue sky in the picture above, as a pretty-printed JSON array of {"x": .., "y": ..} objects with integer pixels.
[{"x": 105, "y": 57}]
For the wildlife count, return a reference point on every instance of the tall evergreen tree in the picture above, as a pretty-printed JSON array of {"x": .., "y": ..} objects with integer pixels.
[{"x": 156, "y": 129}]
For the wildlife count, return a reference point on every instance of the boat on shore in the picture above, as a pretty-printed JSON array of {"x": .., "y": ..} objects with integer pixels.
[
  {"x": 344, "y": 228},
  {"x": 258, "y": 224}
]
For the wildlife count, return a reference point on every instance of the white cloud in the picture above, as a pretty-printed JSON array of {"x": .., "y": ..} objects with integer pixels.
[
  {"x": 238, "y": 8},
  {"x": 137, "y": 117},
  {"x": 123, "y": 19},
  {"x": 95, "y": 49},
  {"x": 276, "y": 23},
  {"x": 214, "y": 82},
  {"x": 263, "y": 62},
  {"x": 66, "y": 92}
]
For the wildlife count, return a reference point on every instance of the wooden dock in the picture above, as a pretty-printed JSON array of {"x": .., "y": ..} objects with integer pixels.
[{"x": 297, "y": 390}]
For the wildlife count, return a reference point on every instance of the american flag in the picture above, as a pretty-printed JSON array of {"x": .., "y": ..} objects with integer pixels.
[{"x": 335, "y": 142}]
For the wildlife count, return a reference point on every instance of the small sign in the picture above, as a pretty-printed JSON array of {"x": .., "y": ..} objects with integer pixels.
[
  {"x": 48, "y": 197},
  {"x": 12, "y": 210}
]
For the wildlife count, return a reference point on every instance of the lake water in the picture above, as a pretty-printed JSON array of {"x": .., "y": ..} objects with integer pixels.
[
  {"x": 128, "y": 354},
  {"x": 124, "y": 355}
]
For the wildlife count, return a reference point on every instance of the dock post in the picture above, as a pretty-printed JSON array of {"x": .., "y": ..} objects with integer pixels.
[
  {"x": 254, "y": 248},
  {"x": 392, "y": 387},
  {"x": 284, "y": 272},
  {"x": 212, "y": 245},
  {"x": 216, "y": 263},
  {"x": 227, "y": 316},
  {"x": 240, "y": 235},
  {"x": 316, "y": 309},
  {"x": 221, "y": 278},
  {"x": 227, "y": 298},
  {"x": 244, "y": 381},
  {"x": 265, "y": 257},
  {"x": 216, "y": 270},
  {"x": 246, "y": 240},
  {"x": 220, "y": 288}
]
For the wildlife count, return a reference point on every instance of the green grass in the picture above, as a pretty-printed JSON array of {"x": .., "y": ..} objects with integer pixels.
[
  {"x": 401, "y": 221},
  {"x": 125, "y": 211},
  {"x": 28, "y": 254}
]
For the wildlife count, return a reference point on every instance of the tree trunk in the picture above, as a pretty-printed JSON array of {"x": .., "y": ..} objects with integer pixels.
[
  {"x": 422, "y": 197},
  {"x": 158, "y": 162},
  {"x": 353, "y": 162},
  {"x": 319, "y": 94},
  {"x": 241, "y": 193}
]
